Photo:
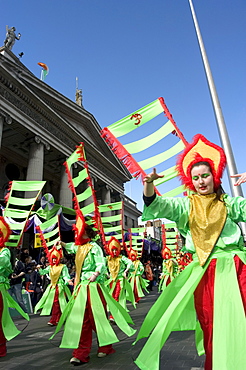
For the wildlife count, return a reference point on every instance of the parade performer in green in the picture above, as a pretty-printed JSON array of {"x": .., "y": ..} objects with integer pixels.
[
  {"x": 87, "y": 308},
  {"x": 119, "y": 266},
  {"x": 8, "y": 329},
  {"x": 216, "y": 278},
  {"x": 57, "y": 293},
  {"x": 138, "y": 283},
  {"x": 169, "y": 268}
]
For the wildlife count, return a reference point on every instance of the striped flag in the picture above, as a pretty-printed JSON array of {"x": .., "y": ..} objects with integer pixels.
[{"x": 44, "y": 72}]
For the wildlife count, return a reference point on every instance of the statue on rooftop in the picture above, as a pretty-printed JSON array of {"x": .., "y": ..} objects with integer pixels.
[{"x": 11, "y": 37}]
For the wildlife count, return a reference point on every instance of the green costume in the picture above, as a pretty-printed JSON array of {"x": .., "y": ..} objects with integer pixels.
[
  {"x": 46, "y": 302},
  {"x": 169, "y": 272},
  {"x": 137, "y": 279},
  {"x": 117, "y": 266},
  {"x": 92, "y": 260},
  {"x": 170, "y": 312},
  {"x": 9, "y": 329}
]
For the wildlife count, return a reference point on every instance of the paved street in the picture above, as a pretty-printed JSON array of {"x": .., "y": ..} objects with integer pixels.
[{"x": 32, "y": 349}]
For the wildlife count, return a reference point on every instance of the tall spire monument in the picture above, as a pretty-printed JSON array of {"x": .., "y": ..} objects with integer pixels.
[{"x": 224, "y": 138}]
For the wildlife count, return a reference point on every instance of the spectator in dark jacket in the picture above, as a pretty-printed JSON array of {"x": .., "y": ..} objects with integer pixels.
[{"x": 16, "y": 280}]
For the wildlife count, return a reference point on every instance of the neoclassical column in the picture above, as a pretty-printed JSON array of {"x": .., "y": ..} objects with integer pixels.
[
  {"x": 3, "y": 118},
  {"x": 36, "y": 160},
  {"x": 65, "y": 196},
  {"x": 106, "y": 198}
]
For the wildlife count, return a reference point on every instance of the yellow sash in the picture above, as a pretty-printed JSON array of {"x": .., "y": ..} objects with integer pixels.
[
  {"x": 114, "y": 266},
  {"x": 55, "y": 272},
  {"x": 206, "y": 220},
  {"x": 136, "y": 264},
  {"x": 169, "y": 267},
  {"x": 81, "y": 253}
]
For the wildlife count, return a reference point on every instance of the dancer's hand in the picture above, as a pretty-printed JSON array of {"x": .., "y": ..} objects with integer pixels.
[
  {"x": 152, "y": 176},
  {"x": 149, "y": 189},
  {"x": 242, "y": 178},
  {"x": 94, "y": 276}
]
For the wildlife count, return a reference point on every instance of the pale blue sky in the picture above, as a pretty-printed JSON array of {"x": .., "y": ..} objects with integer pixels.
[{"x": 128, "y": 53}]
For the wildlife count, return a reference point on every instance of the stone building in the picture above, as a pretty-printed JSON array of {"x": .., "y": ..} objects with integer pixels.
[{"x": 40, "y": 128}]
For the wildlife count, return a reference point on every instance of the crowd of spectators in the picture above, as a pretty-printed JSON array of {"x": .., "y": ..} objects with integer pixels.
[{"x": 26, "y": 275}]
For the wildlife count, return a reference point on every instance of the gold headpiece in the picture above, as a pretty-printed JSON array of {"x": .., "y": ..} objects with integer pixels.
[{"x": 201, "y": 150}]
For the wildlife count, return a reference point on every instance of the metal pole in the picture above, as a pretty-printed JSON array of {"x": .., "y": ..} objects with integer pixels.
[{"x": 224, "y": 138}]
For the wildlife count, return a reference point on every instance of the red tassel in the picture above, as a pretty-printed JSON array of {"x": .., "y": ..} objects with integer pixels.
[{"x": 6, "y": 198}]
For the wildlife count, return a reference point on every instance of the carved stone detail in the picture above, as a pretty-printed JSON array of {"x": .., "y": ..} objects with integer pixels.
[
  {"x": 39, "y": 140},
  {"x": 5, "y": 117},
  {"x": 49, "y": 126}
]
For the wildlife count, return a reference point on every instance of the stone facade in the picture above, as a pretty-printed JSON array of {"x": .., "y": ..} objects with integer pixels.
[{"x": 40, "y": 128}]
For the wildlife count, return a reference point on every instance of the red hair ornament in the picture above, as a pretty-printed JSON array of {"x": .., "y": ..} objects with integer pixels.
[{"x": 201, "y": 150}]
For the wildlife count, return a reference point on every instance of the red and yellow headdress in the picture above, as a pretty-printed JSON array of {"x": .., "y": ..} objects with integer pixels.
[
  {"x": 112, "y": 244},
  {"x": 55, "y": 253},
  {"x": 201, "y": 150},
  {"x": 132, "y": 254},
  {"x": 79, "y": 228},
  {"x": 5, "y": 232}
]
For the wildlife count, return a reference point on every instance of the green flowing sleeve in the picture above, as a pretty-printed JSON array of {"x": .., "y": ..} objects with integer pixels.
[
  {"x": 5, "y": 265},
  {"x": 71, "y": 248},
  {"x": 236, "y": 207},
  {"x": 174, "y": 209},
  {"x": 44, "y": 271},
  {"x": 98, "y": 258},
  {"x": 140, "y": 270},
  {"x": 65, "y": 274},
  {"x": 128, "y": 263}
]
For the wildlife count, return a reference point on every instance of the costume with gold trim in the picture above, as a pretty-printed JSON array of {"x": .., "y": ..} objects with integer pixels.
[
  {"x": 138, "y": 283},
  {"x": 60, "y": 276},
  {"x": 57, "y": 293},
  {"x": 217, "y": 246},
  {"x": 73, "y": 316},
  {"x": 120, "y": 289}
]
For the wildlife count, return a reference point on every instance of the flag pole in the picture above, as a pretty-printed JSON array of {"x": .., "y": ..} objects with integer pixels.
[{"x": 224, "y": 138}]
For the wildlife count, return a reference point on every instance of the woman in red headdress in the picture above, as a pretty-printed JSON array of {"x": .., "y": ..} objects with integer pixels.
[
  {"x": 57, "y": 293},
  {"x": 87, "y": 309},
  {"x": 119, "y": 266},
  {"x": 215, "y": 281},
  {"x": 138, "y": 283}
]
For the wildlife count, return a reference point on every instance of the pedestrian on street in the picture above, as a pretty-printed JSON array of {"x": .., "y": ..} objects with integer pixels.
[
  {"x": 16, "y": 280},
  {"x": 149, "y": 275}
]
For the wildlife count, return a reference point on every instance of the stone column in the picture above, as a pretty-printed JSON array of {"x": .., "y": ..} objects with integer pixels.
[
  {"x": 65, "y": 196},
  {"x": 3, "y": 118},
  {"x": 36, "y": 160},
  {"x": 106, "y": 198},
  {"x": 1, "y": 128}
]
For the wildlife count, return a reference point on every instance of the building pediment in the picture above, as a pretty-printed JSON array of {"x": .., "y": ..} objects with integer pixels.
[{"x": 43, "y": 111}]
